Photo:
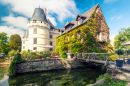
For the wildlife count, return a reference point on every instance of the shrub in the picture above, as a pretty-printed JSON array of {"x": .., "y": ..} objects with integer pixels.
[
  {"x": 119, "y": 52},
  {"x": 128, "y": 51},
  {"x": 63, "y": 55},
  {"x": 11, "y": 53},
  {"x": 17, "y": 59}
]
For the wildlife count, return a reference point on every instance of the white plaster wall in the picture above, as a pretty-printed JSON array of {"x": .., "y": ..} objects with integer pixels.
[{"x": 30, "y": 23}]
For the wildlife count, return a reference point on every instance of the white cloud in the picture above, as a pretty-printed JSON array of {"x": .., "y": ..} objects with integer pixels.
[
  {"x": 112, "y": 39},
  {"x": 18, "y": 22},
  {"x": 108, "y": 1},
  {"x": 52, "y": 19},
  {"x": 11, "y": 30},
  {"x": 116, "y": 17},
  {"x": 62, "y": 8}
]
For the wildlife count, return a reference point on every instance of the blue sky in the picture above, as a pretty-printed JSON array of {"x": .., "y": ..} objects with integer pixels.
[{"x": 14, "y": 14}]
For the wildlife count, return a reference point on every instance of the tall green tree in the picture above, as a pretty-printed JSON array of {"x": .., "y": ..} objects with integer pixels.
[
  {"x": 15, "y": 42},
  {"x": 122, "y": 37},
  {"x": 4, "y": 43}
]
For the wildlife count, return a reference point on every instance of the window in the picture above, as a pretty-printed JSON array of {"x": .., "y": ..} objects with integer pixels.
[
  {"x": 23, "y": 47},
  {"x": 82, "y": 40},
  {"x": 35, "y": 41},
  {"x": 50, "y": 36},
  {"x": 34, "y": 21},
  {"x": 51, "y": 49},
  {"x": 35, "y": 48},
  {"x": 68, "y": 38},
  {"x": 51, "y": 43},
  {"x": 23, "y": 42},
  {"x": 78, "y": 34},
  {"x": 35, "y": 31},
  {"x": 80, "y": 21}
]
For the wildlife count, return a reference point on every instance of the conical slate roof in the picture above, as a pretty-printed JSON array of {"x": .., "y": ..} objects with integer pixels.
[
  {"x": 25, "y": 34},
  {"x": 38, "y": 14}
]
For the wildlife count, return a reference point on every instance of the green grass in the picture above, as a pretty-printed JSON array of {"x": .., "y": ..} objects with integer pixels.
[{"x": 108, "y": 81}]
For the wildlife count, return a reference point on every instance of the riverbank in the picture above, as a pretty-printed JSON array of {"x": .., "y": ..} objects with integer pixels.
[
  {"x": 123, "y": 74},
  {"x": 47, "y": 64}
]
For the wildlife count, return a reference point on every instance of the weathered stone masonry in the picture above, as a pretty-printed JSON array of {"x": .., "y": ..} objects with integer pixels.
[{"x": 44, "y": 65}]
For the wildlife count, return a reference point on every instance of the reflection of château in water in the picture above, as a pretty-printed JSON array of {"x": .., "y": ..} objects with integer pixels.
[{"x": 40, "y": 32}]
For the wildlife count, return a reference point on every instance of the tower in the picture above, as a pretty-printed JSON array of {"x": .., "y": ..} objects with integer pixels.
[{"x": 40, "y": 32}]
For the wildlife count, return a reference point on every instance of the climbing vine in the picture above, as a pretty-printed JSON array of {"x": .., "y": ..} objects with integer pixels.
[{"x": 87, "y": 41}]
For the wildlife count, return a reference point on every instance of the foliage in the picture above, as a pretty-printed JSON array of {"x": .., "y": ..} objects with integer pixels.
[
  {"x": 35, "y": 55},
  {"x": 119, "y": 52},
  {"x": 63, "y": 55},
  {"x": 15, "y": 42},
  {"x": 88, "y": 32},
  {"x": 109, "y": 82},
  {"x": 13, "y": 52},
  {"x": 128, "y": 51},
  {"x": 17, "y": 59},
  {"x": 122, "y": 37},
  {"x": 3, "y": 43}
]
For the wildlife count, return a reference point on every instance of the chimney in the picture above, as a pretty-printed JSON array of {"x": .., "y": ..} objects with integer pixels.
[{"x": 45, "y": 11}]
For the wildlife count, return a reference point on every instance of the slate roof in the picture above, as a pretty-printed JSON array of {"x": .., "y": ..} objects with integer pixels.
[
  {"x": 51, "y": 25},
  {"x": 39, "y": 14},
  {"x": 87, "y": 15},
  {"x": 25, "y": 34}
]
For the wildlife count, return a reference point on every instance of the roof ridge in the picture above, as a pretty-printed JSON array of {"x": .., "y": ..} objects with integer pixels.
[
  {"x": 87, "y": 11},
  {"x": 91, "y": 8}
]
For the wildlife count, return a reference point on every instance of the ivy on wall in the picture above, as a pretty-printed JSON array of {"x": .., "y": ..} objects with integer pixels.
[{"x": 87, "y": 40}]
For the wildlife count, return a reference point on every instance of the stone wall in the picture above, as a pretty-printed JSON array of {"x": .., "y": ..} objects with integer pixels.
[{"x": 44, "y": 65}]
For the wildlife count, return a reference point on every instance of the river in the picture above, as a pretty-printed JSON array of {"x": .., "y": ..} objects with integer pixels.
[{"x": 70, "y": 77}]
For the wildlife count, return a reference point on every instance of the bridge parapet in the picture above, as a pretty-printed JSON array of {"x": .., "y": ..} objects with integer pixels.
[{"x": 93, "y": 57}]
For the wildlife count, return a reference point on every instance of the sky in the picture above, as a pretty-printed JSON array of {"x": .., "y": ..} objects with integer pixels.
[{"x": 14, "y": 14}]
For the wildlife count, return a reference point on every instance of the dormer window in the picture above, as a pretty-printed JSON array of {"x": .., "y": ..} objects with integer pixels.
[
  {"x": 80, "y": 22},
  {"x": 34, "y": 21}
]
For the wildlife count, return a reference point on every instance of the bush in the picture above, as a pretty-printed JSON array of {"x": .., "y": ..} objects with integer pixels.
[
  {"x": 109, "y": 82},
  {"x": 63, "y": 55},
  {"x": 11, "y": 53},
  {"x": 119, "y": 52},
  {"x": 128, "y": 52},
  {"x": 17, "y": 59}
]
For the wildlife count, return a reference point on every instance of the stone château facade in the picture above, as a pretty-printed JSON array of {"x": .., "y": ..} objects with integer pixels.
[
  {"x": 88, "y": 32},
  {"x": 40, "y": 32}
]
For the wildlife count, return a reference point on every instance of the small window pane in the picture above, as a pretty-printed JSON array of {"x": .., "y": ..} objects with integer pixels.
[
  {"x": 35, "y": 48},
  {"x": 51, "y": 36},
  {"x": 23, "y": 47},
  {"x": 35, "y": 31},
  {"x": 51, "y": 43},
  {"x": 35, "y": 40},
  {"x": 23, "y": 42}
]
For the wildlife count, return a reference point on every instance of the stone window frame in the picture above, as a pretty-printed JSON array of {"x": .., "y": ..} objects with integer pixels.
[
  {"x": 35, "y": 31},
  {"x": 51, "y": 36},
  {"x": 34, "y": 48},
  {"x": 34, "y": 21},
  {"x": 23, "y": 42},
  {"x": 51, "y": 43},
  {"x": 35, "y": 41}
]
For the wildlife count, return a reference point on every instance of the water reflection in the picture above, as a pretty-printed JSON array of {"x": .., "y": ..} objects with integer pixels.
[{"x": 72, "y": 77}]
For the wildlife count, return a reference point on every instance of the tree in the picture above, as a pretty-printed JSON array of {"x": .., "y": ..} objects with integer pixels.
[
  {"x": 15, "y": 42},
  {"x": 3, "y": 43},
  {"x": 122, "y": 37}
]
